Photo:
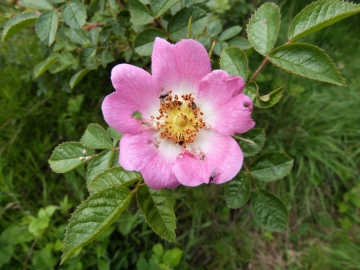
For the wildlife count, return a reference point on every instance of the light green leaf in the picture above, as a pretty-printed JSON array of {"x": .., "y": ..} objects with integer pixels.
[
  {"x": 74, "y": 14},
  {"x": 114, "y": 134},
  {"x": 46, "y": 26},
  {"x": 144, "y": 42},
  {"x": 69, "y": 155},
  {"x": 139, "y": 13},
  {"x": 240, "y": 42},
  {"x": 269, "y": 211},
  {"x": 256, "y": 136},
  {"x": 158, "y": 211},
  {"x": 178, "y": 24},
  {"x": 99, "y": 164},
  {"x": 251, "y": 90},
  {"x": 214, "y": 28},
  {"x": 269, "y": 100},
  {"x": 93, "y": 217},
  {"x": 234, "y": 61},
  {"x": 263, "y": 28},
  {"x": 45, "y": 65},
  {"x": 37, "y": 4},
  {"x": 308, "y": 61},
  {"x": 77, "y": 77},
  {"x": 113, "y": 177},
  {"x": 18, "y": 23},
  {"x": 95, "y": 137},
  {"x": 319, "y": 15},
  {"x": 230, "y": 32},
  {"x": 172, "y": 256},
  {"x": 271, "y": 166},
  {"x": 237, "y": 191},
  {"x": 159, "y": 7}
]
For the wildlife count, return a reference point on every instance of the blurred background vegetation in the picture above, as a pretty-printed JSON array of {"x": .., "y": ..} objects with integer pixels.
[{"x": 316, "y": 123}]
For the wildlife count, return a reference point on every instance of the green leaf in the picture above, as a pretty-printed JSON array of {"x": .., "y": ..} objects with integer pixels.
[
  {"x": 93, "y": 217},
  {"x": 319, "y": 15},
  {"x": 159, "y": 7},
  {"x": 69, "y": 155},
  {"x": 45, "y": 65},
  {"x": 78, "y": 36},
  {"x": 257, "y": 136},
  {"x": 77, "y": 77},
  {"x": 271, "y": 166},
  {"x": 234, "y": 61},
  {"x": 158, "y": 211},
  {"x": 251, "y": 90},
  {"x": 139, "y": 13},
  {"x": 87, "y": 56},
  {"x": 99, "y": 164},
  {"x": 269, "y": 211},
  {"x": 106, "y": 58},
  {"x": 114, "y": 134},
  {"x": 230, "y": 32},
  {"x": 95, "y": 137},
  {"x": 263, "y": 28},
  {"x": 18, "y": 23},
  {"x": 269, "y": 100},
  {"x": 308, "y": 61},
  {"x": 178, "y": 24},
  {"x": 144, "y": 42},
  {"x": 113, "y": 177},
  {"x": 237, "y": 191},
  {"x": 37, "y": 4},
  {"x": 46, "y": 26},
  {"x": 214, "y": 27},
  {"x": 74, "y": 14}
]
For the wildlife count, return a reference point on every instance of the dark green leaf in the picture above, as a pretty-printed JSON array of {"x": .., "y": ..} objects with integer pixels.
[
  {"x": 230, "y": 32},
  {"x": 46, "y": 26},
  {"x": 214, "y": 28},
  {"x": 251, "y": 90},
  {"x": 113, "y": 177},
  {"x": 99, "y": 164},
  {"x": 159, "y": 7},
  {"x": 87, "y": 56},
  {"x": 77, "y": 77},
  {"x": 45, "y": 65},
  {"x": 271, "y": 166},
  {"x": 319, "y": 15},
  {"x": 255, "y": 135},
  {"x": 308, "y": 61},
  {"x": 269, "y": 211},
  {"x": 93, "y": 217},
  {"x": 106, "y": 58},
  {"x": 37, "y": 4},
  {"x": 69, "y": 155},
  {"x": 18, "y": 23},
  {"x": 139, "y": 13},
  {"x": 234, "y": 61},
  {"x": 263, "y": 28},
  {"x": 144, "y": 42},
  {"x": 158, "y": 211},
  {"x": 95, "y": 137},
  {"x": 237, "y": 191},
  {"x": 178, "y": 24},
  {"x": 269, "y": 100},
  {"x": 74, "y": 14},
  {"x": 78, "y": 36}
]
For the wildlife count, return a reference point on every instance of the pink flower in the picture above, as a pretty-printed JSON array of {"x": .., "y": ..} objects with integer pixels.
[{"x": 188, "y": 115}]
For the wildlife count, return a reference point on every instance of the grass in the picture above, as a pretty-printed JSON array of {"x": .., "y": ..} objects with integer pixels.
[{"x": 316, "y": 123}]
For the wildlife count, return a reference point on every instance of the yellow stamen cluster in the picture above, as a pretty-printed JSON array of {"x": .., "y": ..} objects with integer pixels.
[{"x": 179, "y": 119}]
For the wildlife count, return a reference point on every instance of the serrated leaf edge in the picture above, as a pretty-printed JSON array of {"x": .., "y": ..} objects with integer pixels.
[
  {"x": 96, "y": 124},
  {"x": 247, "y": 61},
  {"x": 249, "y": 195}
]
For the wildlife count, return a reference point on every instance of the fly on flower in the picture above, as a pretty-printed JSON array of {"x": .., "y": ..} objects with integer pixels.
[{"x": 188, "y": 116}]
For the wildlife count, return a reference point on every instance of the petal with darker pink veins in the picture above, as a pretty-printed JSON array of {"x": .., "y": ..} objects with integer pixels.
[
  {"x": 154, "y": 160},
  {"x": 225, "y": 108},
  {"x": 136, "y": 94},
  {"x": 179, "y": 67},
  {"x": 217, "y": 160}
]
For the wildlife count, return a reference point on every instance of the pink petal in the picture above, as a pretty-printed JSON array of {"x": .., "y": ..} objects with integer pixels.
[
  {"x": 135, "y": 91},
  {"x": 221, "y": 159},
  {"x": 225, "y": 108},
  {"x": 138, "y": 152},
  {"x": 179, "y": 67}
]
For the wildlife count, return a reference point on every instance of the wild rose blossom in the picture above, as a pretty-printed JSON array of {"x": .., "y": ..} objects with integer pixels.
[{"x": 177, "y": 123}]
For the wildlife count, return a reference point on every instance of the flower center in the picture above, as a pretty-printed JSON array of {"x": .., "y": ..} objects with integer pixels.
[{"x": 179, "y": 119}]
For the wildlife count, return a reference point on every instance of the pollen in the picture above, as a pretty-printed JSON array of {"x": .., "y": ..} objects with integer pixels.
[{"x": 179, "y": 118}]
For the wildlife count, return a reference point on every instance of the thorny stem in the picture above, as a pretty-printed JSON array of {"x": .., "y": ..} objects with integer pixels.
[
  {"x": 259, "y": 69},
  {"x": 93, "y": 25}
]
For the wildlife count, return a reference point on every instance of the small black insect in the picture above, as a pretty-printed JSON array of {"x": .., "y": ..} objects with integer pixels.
[
  {"x": 193, "y": 105},
  {"x": 212, "y": 176},
  {"x": 163, "y": 96},
  {"x": 181, "y": 142}
]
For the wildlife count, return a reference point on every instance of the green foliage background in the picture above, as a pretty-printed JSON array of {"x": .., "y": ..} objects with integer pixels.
[{"x": 315, "y": 123}]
